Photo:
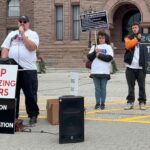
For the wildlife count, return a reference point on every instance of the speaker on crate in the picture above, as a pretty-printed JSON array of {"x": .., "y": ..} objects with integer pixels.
[{"x": 71, "y": 119}]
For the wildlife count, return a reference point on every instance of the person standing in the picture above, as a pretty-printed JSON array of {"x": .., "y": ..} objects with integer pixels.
[
  {"x": 135, "y": 68},
  {"x": 101, "y": 55},
  {"x": 21, "y": 45}
]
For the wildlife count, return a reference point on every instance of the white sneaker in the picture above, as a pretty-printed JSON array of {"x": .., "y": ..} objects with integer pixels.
[
  {"x": 142, "y": 106},
  {"x": 129, "y": 106}
]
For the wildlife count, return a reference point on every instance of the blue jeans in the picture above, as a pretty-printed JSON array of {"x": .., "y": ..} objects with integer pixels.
[{"x": 100, "y": 89}]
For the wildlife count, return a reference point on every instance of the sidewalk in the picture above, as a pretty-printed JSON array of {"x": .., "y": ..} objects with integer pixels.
[{"x": 110, "y": 129}]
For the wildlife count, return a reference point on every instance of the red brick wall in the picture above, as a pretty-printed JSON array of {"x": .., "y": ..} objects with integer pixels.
[
  {"x": 2, "y": 20},
  {"x": 66, "y": 53}
]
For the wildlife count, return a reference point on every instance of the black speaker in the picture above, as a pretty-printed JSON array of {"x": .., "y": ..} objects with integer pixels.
[
  {"x": 71, "y": 119},
  {"x": 8, "y": 61}
]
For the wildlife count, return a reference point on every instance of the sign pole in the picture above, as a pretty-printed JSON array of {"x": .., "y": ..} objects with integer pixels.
[
  {"x": 95, "y": 38},
  {"x": 89, "y": 44}
]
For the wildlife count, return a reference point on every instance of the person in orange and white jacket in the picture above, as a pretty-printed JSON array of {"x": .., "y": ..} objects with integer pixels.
[{"x": 135, "y": 68}]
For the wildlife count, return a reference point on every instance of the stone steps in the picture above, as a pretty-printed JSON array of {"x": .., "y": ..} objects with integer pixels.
[
  {"x": 74, "y": 57},
  {"x": 64, "y": 58}
]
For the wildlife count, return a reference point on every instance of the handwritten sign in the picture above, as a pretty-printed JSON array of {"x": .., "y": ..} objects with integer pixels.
[
  {"x": 146, "y": 48},
  {"x": 94, "y": 20},
  {"x": 74, "y": 77},
  {"x": 148, "y": 58},
  {"x": 145, "y": 44},
  {"x": 8, "y": 77},
  {"x": 145, "y": 38}
]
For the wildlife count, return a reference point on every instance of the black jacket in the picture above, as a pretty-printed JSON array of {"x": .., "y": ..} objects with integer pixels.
[{"x": 128, "y": 56}]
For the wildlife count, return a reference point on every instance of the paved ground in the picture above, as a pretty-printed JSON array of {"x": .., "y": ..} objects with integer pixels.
[{"x": 110, "y": 129}]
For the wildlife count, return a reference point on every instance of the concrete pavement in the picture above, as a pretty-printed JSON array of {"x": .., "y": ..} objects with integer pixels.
[{"x": 110, "y": 129}]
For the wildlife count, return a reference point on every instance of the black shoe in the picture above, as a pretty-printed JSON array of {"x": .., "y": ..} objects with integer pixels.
[
  {"x": 102, "y": 106},
  {"x": 97, "y": 106},
  {"x": 33, "y": 120}
]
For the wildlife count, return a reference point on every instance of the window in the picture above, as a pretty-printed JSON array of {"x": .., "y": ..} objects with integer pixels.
[
  {"x": 129, "y": 18},
  {"x": 76, "y": 22},
  {"x": 13, "y": 8},
  {"x": 59, "y": 23}
]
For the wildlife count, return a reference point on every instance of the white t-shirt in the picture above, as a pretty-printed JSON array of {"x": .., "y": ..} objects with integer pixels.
[
  {"x": 18, "y": 51},
  {"x": 135, "y": 60},
  {"x": 99, "y": 66}
]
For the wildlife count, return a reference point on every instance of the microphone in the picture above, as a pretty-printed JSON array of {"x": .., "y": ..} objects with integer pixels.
[{"x": 14, "y": 37}]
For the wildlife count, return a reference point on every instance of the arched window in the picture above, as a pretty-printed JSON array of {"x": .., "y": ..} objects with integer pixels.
[
  {"x": 13, "y": 8},
  {"x": 129, "y": 18}
]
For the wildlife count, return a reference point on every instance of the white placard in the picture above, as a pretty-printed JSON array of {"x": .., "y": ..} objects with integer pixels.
[
  {"x": 74, "y": 77},
  {"x": 8, "y": 77}
]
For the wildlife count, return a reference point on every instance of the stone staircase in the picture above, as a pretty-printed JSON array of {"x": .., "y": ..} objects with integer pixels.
[
  {"x": 74, "y": 57},
  {"x": 67, "y": 57}
]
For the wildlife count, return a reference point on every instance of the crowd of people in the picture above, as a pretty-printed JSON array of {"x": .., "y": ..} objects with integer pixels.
[{"x": 21, "y": 45}]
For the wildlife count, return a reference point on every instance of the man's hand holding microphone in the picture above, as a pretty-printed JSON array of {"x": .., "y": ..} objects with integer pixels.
[{"x": 21, "y": 31}]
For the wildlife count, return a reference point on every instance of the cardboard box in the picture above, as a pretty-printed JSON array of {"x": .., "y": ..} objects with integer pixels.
[{"x": 53, "y": 111}]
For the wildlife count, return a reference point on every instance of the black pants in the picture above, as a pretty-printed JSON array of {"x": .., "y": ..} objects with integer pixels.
[
  {"x": 28, "y": 82},
  {"x": 133, "y": 75}
]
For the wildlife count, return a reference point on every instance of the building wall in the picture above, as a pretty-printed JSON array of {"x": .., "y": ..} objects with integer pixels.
[
  {"x": 27, "y": 8},
  {"x": 10, "y": 23},
  {"x": 70, "y": 53},
  {"x": 66, "y": 53},
  {"x": 2, "y": 20}
]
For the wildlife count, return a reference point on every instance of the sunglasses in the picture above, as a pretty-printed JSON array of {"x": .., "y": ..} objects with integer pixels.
[{"x": 23, "y": 22}]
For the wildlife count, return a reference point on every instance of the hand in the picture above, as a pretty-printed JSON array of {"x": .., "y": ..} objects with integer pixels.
[
  {"x": 97, "y": 52},
  {"x": 139, "y": 36},
  {"x": 21, "y": 30}
]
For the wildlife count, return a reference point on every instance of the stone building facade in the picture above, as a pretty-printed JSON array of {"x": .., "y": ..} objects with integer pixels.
[{"x": 64, "y": 50}]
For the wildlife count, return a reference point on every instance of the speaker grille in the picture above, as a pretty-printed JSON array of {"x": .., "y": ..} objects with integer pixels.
[{"x": 71, "y": 119}]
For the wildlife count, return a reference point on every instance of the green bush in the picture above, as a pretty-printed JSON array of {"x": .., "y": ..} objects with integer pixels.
[
  {"x": 40, "y": 66},
  {"x": 114, "y": 67}
]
